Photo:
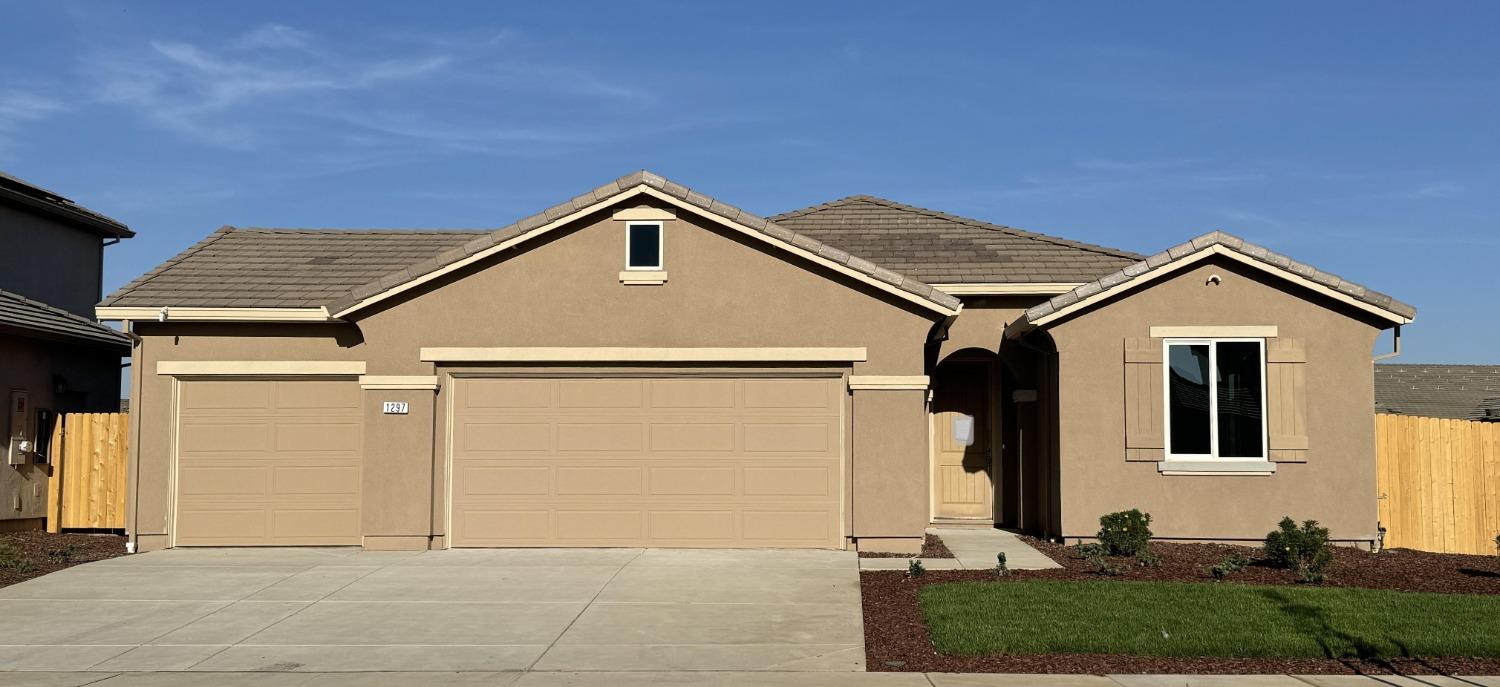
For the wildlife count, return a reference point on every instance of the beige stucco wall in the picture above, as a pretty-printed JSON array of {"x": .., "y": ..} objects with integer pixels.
[
  {"x": 723, "y": 290},
  {"x": 1335, "y": 486}
]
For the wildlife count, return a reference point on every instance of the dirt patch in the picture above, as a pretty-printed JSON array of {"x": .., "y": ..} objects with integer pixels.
[
  {"x": 896, "y": 638},
  {"x": 932, "y": 547},
  {"x": 25, "y": 555}
]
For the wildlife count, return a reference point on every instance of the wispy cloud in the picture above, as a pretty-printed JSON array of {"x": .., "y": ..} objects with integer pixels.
[
  {"x": 1096, "y": 176},
  {"x": 1433, "y": 190},
  {"x": 19, "y": 108}
]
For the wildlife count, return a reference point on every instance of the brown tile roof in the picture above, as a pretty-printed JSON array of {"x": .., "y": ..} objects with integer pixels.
[
  {"x": 940, "y": 248},
  {"x": 22, "y": 192},
  {"x": 282, "y": 268},
  {"x": 340, "y": 269},
  {"x": 1231, "y": 242},
  {"x": 36, "y": 319},
  {"x": 1460, "y": 392}
]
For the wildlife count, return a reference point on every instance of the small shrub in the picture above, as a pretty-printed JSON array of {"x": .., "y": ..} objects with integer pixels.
[
  {"x": 11, "y": 559},
  {"x": 1001, "y": 569},
  {"x": 1305, "y": 550},
  {"x": 1146, "y": 558},
  {"x": 1233, "y": 564},
  {"x": 1126, "y": 533},
  {"x": 915, "y": 568},
  {"x": 62, "y": 556},
  {"x": 1098, "y": 559}
]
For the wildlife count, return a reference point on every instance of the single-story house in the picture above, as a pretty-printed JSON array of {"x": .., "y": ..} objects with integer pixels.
[
  {"x": 644, "y": 365},
  {"x": 1454, "y": 392}
]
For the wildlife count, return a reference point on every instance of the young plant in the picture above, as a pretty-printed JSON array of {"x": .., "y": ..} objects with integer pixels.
[
  {"x": 1233, "y": 564},
  {"x": 1001, "y": 569},
  {"x": 1126, "y": 533},
  {"x": 1305, "y": 550},
  {"x": 1098, "y": 559},
  {"x": 62, "y": 555},
  {"x": 914, "y": 568},
  {"x": 11, "y": 559},
  {"x": 1146, "y": 558}
]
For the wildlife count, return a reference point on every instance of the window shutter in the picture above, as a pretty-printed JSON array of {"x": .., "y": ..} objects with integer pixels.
[
  {"x": 1286, "y": 400},
  {"x": 1144, "y": 440}
]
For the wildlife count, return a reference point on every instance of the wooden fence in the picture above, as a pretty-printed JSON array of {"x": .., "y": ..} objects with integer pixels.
[
  {"x": 1439, "y": 483},
  {"x": 87, "y": 487}
]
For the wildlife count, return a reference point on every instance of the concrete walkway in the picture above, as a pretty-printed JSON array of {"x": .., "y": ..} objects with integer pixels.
[
  {"x": 334, "y": 610},
  {"x": 724, "y": 679},
  {"x": 973, "y": 549}
]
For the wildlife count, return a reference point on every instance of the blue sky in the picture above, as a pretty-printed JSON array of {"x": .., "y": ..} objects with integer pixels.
[{"x": 1363, "y": 137}]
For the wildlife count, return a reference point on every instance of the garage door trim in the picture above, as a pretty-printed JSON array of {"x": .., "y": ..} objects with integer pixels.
[
  {"x": 452, "y": 377},
  {"x": 315, "y": 372}
]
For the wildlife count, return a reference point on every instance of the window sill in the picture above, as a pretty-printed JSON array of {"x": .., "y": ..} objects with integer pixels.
[
  {"x": 1216, "y": 467},
  {"x": 643, "y": 277}
]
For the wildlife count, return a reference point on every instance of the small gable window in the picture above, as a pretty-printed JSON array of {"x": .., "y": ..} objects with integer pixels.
[
  {"x": 643, "y": 246},
  {"x": 1215, "y": 399}
]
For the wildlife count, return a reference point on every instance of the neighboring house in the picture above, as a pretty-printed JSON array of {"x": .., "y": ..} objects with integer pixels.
[
  {"x": 647, "y": 366},
  {"x": 1456, "y": 392},
  {"x": 54, "y": 357}
]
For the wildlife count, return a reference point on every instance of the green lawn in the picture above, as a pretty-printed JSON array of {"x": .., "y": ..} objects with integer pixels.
[{"x": 1176, "y": 619}]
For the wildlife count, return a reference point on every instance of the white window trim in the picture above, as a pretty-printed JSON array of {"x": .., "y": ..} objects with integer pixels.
[
  {"x": 661, "y": 247},
  {"x": 1213, "y": 402}
]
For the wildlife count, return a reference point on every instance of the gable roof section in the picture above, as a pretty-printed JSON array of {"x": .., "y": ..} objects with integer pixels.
[
  {"x": 24, "y": 193},
  {"x": 281, "y": 268},
  {"x": 1207, "y": 245},
  {"x": 653, "y": 185},
  {"x": 342, "y": 272},
  {"x": 37, "y": 319},
  {"x": 940, "y": 248},
  {"x": 1459, "y": 392}
]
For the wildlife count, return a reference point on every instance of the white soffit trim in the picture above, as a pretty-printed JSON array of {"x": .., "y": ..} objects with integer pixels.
[
  {"x": 1267, "y": 331},
  {"x": 261, "y": 367},
  {"x": 176, "y": 314},
  {"x": 1007, "y": 289},
  {"x": 888, "y": 382},
  {"x": 1216, "y": 249},
  {"x": 626, "y": 195},
  {"x": 644, "y": 355},
  {"x": 382, "y": 382},
  {"x": 645, "y": 214}
]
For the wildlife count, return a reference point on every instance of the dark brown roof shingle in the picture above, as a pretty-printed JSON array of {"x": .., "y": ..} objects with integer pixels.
[
  {"x": 22, "y": 192},
  {"x": 34, "y": 318},
  {"x": 1458, "y": 392},
  {"x": 941, "y": 248}
]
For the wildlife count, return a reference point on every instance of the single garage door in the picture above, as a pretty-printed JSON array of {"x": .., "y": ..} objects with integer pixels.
[
  {"x": 268, "y": 462},
  {"x": 670, "y": 461}
]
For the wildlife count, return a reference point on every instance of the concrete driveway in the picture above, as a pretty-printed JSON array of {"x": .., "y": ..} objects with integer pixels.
[{"x": 330, "y": 610}]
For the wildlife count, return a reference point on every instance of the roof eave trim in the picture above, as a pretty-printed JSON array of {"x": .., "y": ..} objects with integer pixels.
[
  {"x": 1191, "y": 259},
  {"x": 68, "y": 215},
  {"x": 190, "y": 314},
  {"x": 1007, "y": 288},
  {"x": 648, "y": 190}
]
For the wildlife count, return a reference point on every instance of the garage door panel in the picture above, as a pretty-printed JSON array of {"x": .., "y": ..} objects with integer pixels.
[
  {"x": 787, "y": 437},
  {"x": 318, "y": 437},
  {"x": 317, "y": 395},
  {"x": 670, "y": 461},
  {"x": 694, "y": 437},
  {"x": 692, "y": 393},
  {"x": 598, "y": 436},
  {"x": 690, "y": 481},
  {"x": 224, "y": 480},
  {"x": 283, "y": 472}
]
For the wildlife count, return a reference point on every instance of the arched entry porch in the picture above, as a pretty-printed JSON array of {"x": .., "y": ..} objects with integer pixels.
[{"x": 965, "y": 424}]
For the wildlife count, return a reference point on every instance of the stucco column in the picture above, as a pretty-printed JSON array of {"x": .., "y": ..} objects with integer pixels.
[
  {"x": 396, "y": 494},
  {"x": 890, "y": 469}
]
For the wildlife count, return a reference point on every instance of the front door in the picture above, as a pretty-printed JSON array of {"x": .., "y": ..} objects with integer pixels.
[{"x": 961, "y": 483}]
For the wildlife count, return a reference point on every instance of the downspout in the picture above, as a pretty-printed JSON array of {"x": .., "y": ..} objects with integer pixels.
[
  {"x": 1395, "y": 346},
  {"x": 132, "y": 531}
]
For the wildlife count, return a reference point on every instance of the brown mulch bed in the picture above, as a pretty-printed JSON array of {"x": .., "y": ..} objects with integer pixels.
[
  {"x": 896, "y": 637},
  {"x": 33, "y": 554},
  {"x": 932, "y": 547}
]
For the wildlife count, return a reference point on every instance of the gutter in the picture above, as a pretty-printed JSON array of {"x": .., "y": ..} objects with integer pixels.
[{"x": 1395, "y": 346}]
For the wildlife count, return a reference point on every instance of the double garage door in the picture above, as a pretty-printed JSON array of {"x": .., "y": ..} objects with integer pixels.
[
  {"x": 673, "y": 461},
  {"x": 646, "y": 461}
]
